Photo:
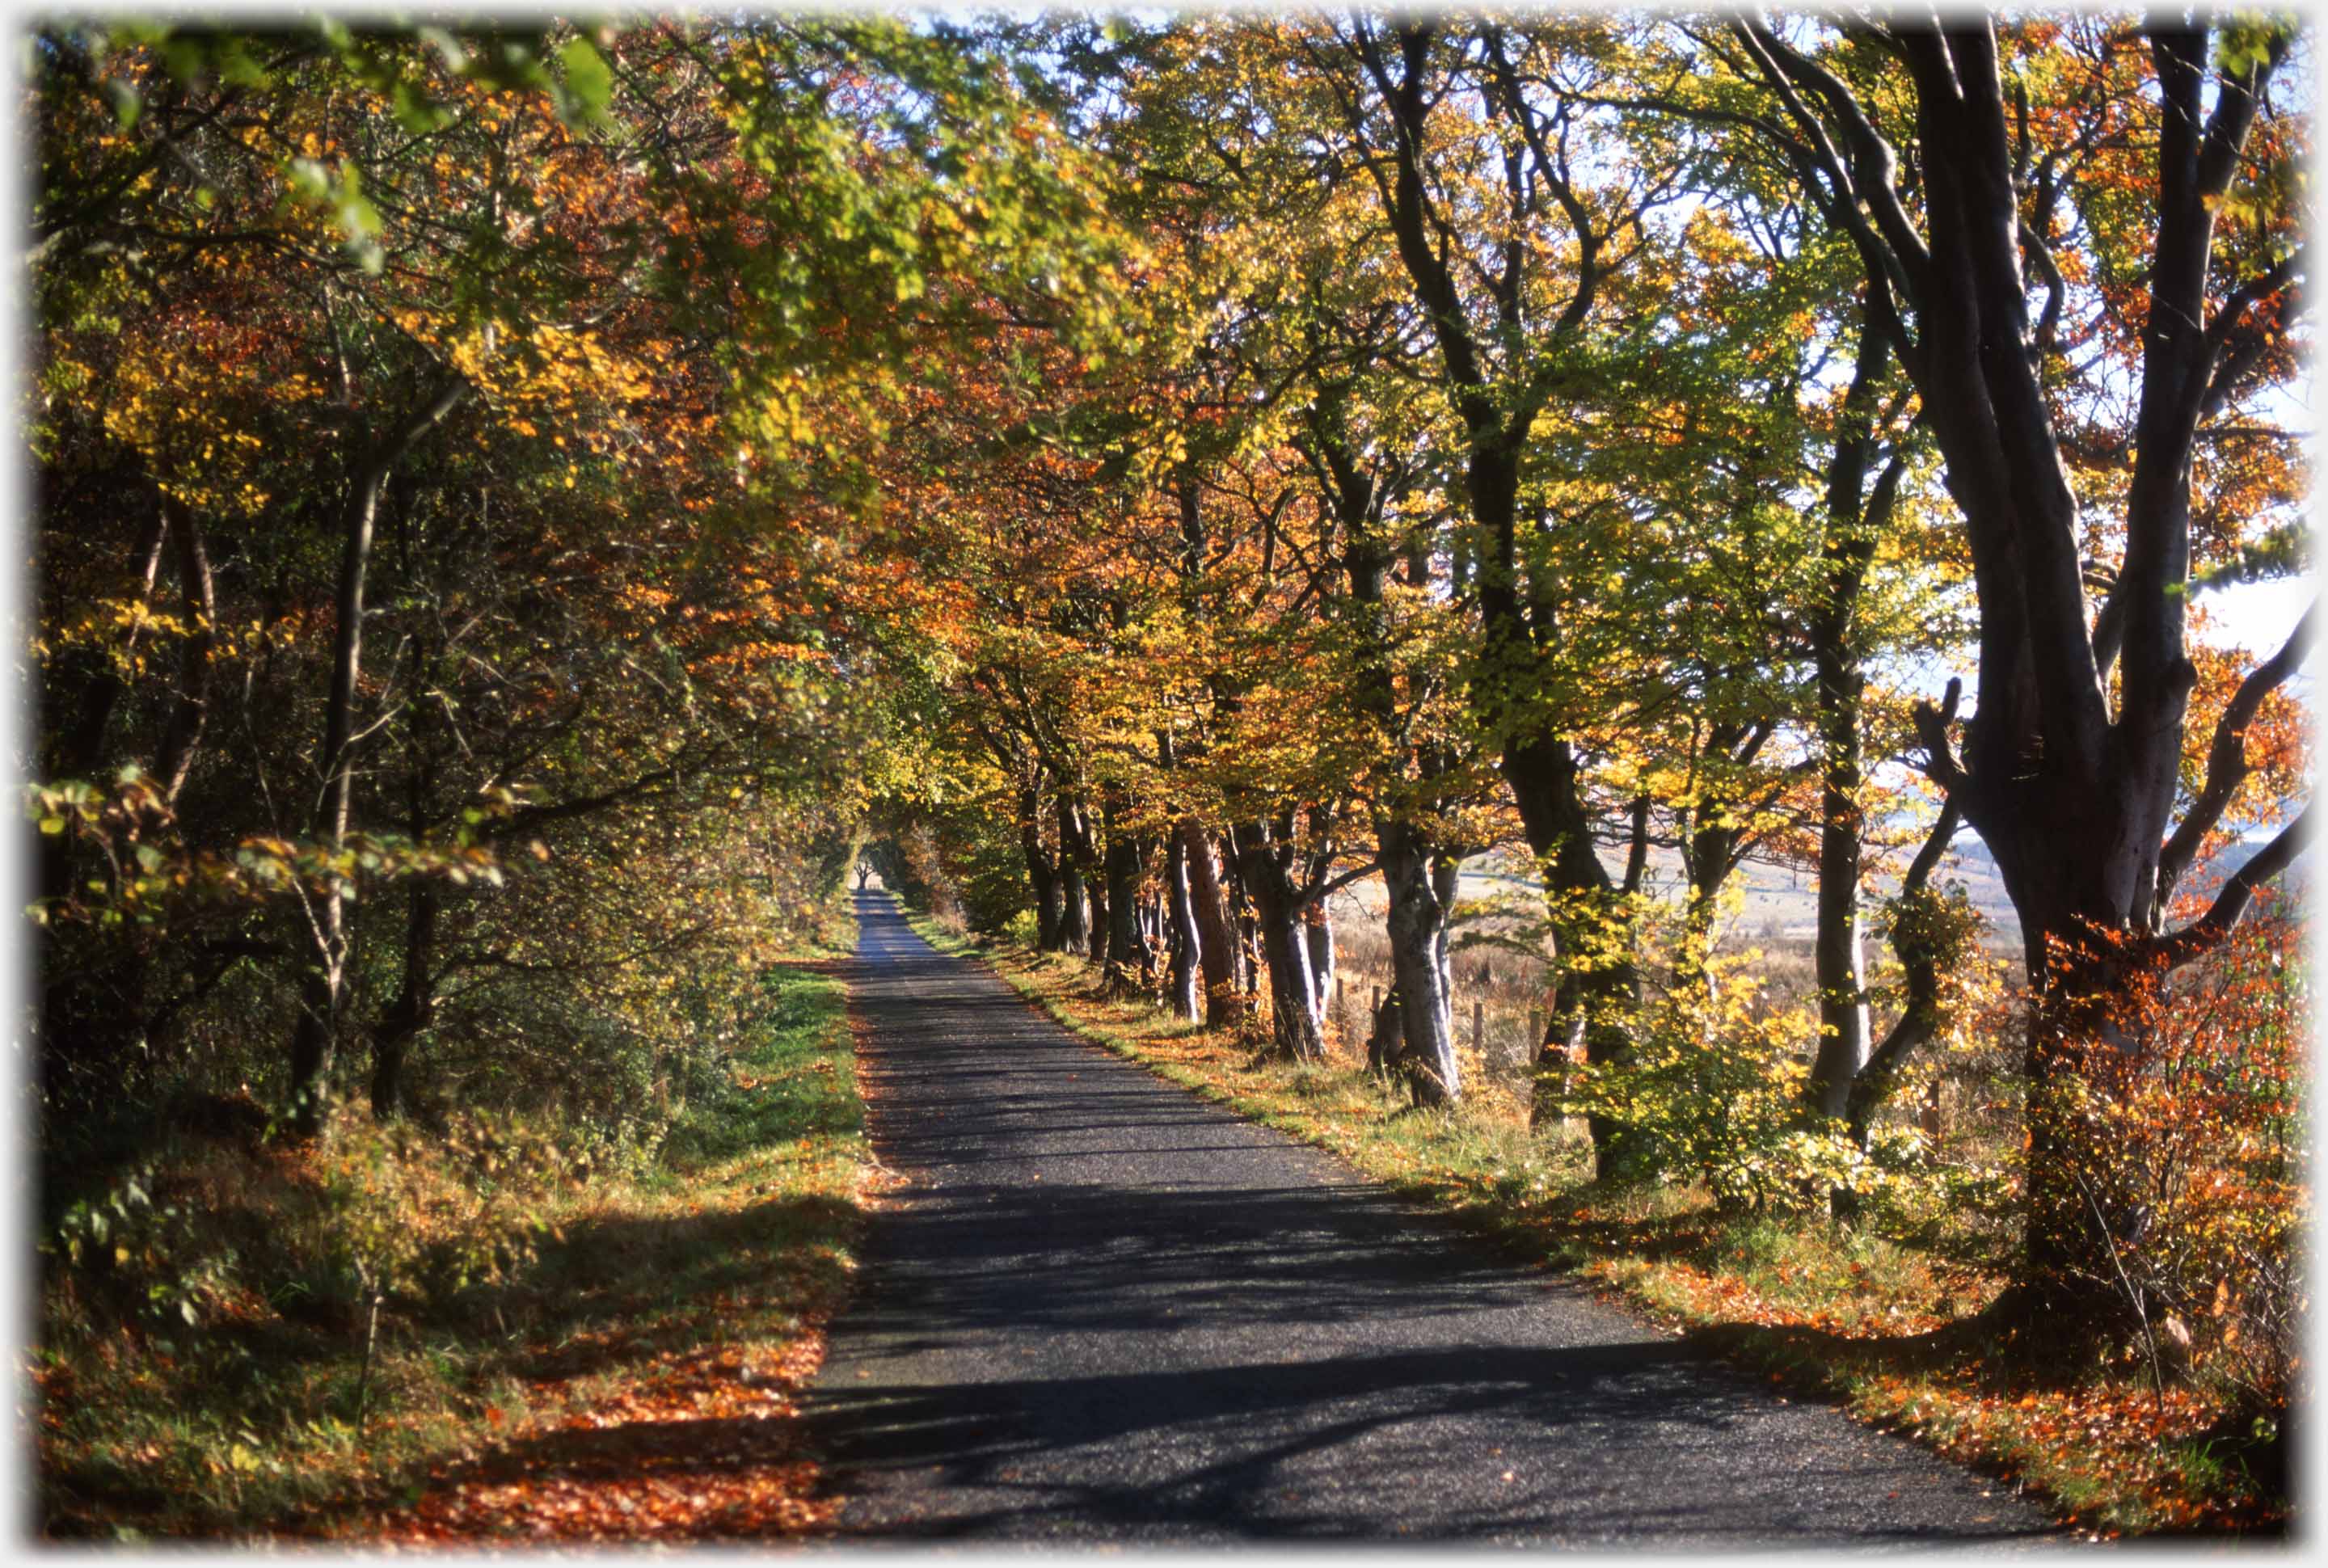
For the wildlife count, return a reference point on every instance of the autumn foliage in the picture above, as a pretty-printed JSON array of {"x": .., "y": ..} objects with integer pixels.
[{"x": 1385, "y": 535}]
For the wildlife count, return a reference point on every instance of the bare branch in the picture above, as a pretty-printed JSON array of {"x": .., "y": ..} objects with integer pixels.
[
  {"x": 2227, "y": 758},
  {"x": 2230, "y": 904},
  {"x": 1941, "y": 765}
]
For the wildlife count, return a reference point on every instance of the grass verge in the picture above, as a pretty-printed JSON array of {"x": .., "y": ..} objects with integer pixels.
[
  {"x": 1885, "y": 1329},
  {"x": 570, "y": 1350}
]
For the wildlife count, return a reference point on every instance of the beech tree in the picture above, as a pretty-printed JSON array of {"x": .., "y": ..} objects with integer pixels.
[{"x": 2059, "y": 172}]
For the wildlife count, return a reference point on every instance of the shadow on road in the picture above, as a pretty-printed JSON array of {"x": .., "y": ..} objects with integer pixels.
[{"x": 1107, "y": 1309}]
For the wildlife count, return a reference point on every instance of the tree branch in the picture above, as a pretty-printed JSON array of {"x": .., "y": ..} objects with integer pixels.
[
  {"x": 2227, "y": 758},
  {"x": 1921, "y": 1017},
  {"x": 1941, "y": 765},
  {"x": 2209, "y": 930}
]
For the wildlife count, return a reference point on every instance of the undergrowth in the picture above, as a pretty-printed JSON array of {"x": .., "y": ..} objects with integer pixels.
[{"x": 202, "y": 1366}]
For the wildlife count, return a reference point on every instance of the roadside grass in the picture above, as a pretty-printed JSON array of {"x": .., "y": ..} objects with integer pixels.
[
  {"x": 1890, "y": 1331},
  {"x": 580, "y": 1348}
]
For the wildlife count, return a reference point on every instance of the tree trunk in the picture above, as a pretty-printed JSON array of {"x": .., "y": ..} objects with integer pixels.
[
  {"x": 1188, "y": 1002},
  {"x": 1599, "y": 985},
  {"x": 1280, "y": 916},
  {"x": 315, "y": 1037},
  {"x": 1296, "y": 1029},
  {"x": 1921, "y": 961},
  {"x": 414, "y": 1004},
  {"x": 190, "y": 704},
  {"x": 1218, "y": 940},
  {"x": 1597, "y": 995},
  {"x": 1836, "y": 952},
  {"x": 1074, "y": 914},
  {"x": 1712, "y": 855},
  {"x": 1042, "y": 872},
  {"x": 1387, "y": 1040},
  {"x": 1854, "y": 523},
  {"x": 1128, "y": 962},
  {"x": 1417, "y": 926},
  {"x": 1321, "y": 953}
]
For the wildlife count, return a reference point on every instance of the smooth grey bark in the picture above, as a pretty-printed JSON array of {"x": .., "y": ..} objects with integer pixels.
[
  {"x": 1320, "y": 934},
  {"x": 1216, "y": 939},
  {"x": 1281, "y": 906},
  {"x": 1296, "y": 1021},
  {"x": 1186, "y": 939},
  {"x": 182, "y": 734},
  {"x": 1415, "y": 881},
  {"x": 1074, "y": 907},
  {"x": 1446, "y": 882},
  {"x": 1419, "y": 1047}
]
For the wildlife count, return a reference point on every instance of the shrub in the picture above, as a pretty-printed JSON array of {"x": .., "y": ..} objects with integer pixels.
[
  {"x": 2185, "y": 1149},
  {"x": 1713, "y": 1092}
]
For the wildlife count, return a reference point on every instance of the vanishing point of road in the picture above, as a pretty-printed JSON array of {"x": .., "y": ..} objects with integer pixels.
[{"x": 1105, "y": 1310}]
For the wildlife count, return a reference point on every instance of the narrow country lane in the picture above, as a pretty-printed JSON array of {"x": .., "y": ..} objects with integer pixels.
[{"x": 1105, "y": 1310}]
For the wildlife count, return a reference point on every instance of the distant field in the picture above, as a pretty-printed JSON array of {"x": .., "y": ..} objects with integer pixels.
[{"x": 1779, "y": 904}]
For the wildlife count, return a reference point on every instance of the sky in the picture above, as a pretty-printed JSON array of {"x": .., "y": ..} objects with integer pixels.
[{"x": 2257, "y": 617}]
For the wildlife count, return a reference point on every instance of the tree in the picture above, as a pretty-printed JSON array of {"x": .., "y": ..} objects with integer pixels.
[{"x": 2171, "y": 150}]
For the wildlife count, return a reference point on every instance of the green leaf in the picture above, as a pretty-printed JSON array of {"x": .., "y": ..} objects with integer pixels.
[
  {"x": 455, "y": 58},
  {"x": 589, "y": 80},
  {"x": 236, "y": 66},
  {"x": 127, "y": 103},
  {"x": 416, "y": 111}
]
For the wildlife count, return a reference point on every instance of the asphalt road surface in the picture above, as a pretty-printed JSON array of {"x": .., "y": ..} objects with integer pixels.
[{"x": 1107, "y": 1312}]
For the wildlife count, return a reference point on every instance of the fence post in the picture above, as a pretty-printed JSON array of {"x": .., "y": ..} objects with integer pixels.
[{"x": 1479, "y": 1024}]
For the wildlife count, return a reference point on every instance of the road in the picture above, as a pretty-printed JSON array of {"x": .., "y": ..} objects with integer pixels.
[{"x": 1105, "y": 1310}]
